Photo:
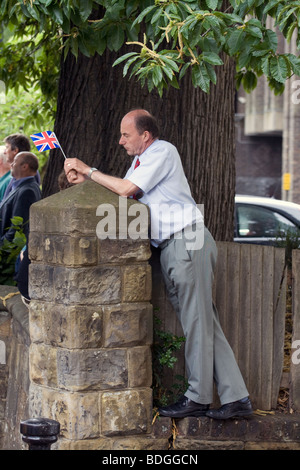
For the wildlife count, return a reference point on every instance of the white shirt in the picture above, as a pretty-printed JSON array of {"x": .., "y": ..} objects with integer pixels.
[{"x": 165, "y": 189}]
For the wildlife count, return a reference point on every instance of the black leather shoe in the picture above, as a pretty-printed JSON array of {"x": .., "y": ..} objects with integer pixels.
[
  {"x": 183, "y": 408},
  {"x": 231, "y": 410}
]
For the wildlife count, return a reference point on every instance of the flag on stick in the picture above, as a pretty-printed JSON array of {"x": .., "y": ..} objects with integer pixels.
[{"x": 46, "y": 140}]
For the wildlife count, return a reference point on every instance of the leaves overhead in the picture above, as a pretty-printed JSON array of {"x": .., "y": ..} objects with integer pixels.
[{"x": 167, "y": 38}]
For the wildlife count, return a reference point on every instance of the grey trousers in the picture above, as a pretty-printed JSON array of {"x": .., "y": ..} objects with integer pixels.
[{"x": 188, "y": 275}]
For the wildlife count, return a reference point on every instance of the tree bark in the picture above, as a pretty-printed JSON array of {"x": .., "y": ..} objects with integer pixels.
[{"x": 92, "y": 99}]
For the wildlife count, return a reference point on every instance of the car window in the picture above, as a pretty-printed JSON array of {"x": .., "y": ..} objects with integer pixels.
[{"x": 255, "y": 221}]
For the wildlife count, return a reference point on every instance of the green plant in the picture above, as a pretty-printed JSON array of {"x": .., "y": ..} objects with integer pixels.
[
  {"x": 9, "y": 252},
  {"x": 290, "y": 240},
  {"x": 165, "y": 347}
]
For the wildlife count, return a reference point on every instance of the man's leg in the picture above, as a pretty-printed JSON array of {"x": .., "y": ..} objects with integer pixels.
[{"x": 189, "y": 276}]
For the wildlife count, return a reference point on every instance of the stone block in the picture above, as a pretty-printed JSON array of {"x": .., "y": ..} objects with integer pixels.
[
  {"x": 87, "y": 286},
  {"x": 139, "y": 367},
  {"x": 63, "y": 250},
  {"x": 114, "y": 443},
  {"x": 5, "y": 324},
  {"x": 92, "y": 369},
  {"x": 37, "y": 312},
  {"x": 127, "y": 324},
  {"x": 66, "y": 326},
  {"x": 77, "y": 413},
  {"x": 191, "y": 444},
  {"x": 2, "y": 410},
  {"x": 69, "y": 211},
  {"x": 137, "y": 283},
  {"x": 43, "y": 365},
  {"x": 123, "y": 251},
  {"x": 41, "y": 282},
  {"x": 126, "y": 412},
  {"x": 3, "y": 380}
]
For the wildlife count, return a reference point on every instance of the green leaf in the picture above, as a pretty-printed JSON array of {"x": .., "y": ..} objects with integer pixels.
[
  {"x": 85, "y": 9},
  {"x": 290, "y": 31},
  {"x": 212, "y": 58},
  {"x": 276, "y": 87},
  {"x": 235, "y": 41},
  {"x": 279, "y": 69},
  {"x": 254, "y": 31},
  {"x": 294, "y": 63},
  {"x": 115, "y": 38},
  {"x": 57, "y": 14},
  {"x": 270, "y": 5},
  {"x": 157, "y": 75},
  {"x": 124, "y": 57},
  {"x": 142, "y": 15},
  {"x": 200, "y": 77},
  {"x": 184, "y": 69},
  {"x": 249, "y": 81},
  {"x": 271, "y": 40},
  {"x": 170, "y": 62},
  {"x": 211, "y": 73},
  {"x": 212, "y": 4}
]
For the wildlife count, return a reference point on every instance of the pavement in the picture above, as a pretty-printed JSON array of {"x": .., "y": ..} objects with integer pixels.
[{"x": 261, "y": 431}]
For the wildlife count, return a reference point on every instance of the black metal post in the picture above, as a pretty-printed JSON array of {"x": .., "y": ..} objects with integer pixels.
[{"x": 39, "y": 433}]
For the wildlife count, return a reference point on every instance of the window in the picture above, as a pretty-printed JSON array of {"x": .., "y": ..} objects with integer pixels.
[{"x": 255, "y": 221}]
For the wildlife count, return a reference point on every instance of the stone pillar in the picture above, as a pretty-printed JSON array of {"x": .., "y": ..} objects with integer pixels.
[{"x": 90, "y": 320}]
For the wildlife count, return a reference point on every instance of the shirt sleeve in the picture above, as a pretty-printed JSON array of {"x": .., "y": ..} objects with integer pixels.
[{"x": 154, "y": 167}]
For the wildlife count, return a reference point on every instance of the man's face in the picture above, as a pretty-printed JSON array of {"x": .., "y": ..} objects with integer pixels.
[
  {"x": 17, "y": 167},
  {"x": 9, "y": 153},
  {"x": 133, "y": 142}
]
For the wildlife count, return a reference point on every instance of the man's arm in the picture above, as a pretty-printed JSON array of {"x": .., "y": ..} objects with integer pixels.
[{"x": 77, "y": 171}]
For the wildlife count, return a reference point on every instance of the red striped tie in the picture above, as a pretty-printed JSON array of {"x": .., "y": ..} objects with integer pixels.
[{"x": 135, "y": 166}]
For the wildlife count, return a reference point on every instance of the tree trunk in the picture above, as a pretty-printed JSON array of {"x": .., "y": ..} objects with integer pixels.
[{"x": 93, "y": 97}]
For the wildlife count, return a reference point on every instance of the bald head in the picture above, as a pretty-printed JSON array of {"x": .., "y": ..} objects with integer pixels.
[
  {"x": 138, "y": 131},
  {"x": 144, "y": 121},
  {"x": 24, "y": 164}
]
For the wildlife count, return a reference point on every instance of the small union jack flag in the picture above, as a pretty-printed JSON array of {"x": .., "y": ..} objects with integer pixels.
[{"x": 45, "y": 141}]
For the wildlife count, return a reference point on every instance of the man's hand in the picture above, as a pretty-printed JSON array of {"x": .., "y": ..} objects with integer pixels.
[{"x": 75, "y": 170}]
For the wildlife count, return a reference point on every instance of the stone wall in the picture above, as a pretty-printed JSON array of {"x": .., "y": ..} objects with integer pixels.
[
  {"x": 14, "y": 367},
  {"x": 81, "y": 354},
  {"x": 90, "y": 320}
]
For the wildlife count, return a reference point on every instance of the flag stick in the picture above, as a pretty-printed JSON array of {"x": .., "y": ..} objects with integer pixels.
[{"x": 60, "y": 146}]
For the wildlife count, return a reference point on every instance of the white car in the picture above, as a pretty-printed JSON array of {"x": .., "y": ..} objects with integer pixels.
[{"x": 263, "y": 220}]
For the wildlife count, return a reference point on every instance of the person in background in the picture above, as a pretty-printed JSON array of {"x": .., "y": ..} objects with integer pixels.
[
  {"x": 14, "y": 144},
  {"x": 5, "y": 174},
  {"x": 25, "y": 191}
]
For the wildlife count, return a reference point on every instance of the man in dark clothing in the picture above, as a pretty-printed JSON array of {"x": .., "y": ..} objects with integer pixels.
[
  {"x": 25, "y": 191},
  {"x": 14, "y": 144}
]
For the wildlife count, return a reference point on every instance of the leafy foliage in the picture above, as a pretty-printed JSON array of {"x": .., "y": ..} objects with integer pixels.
[
  {"x": 22, "y": 113},
  {"x": 165, "y": 346},
  {"x": 290, "y": 240},
  {"x": 9, "y": 252},
  {"x": 178, "y": 36}
]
